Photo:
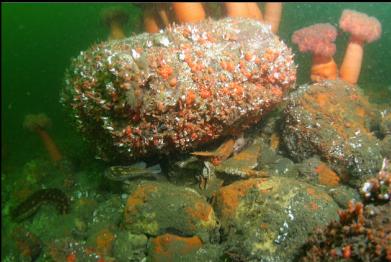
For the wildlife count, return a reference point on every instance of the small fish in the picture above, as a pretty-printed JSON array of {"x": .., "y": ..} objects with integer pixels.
[
  {"x": 187, "y": 162},
  {"x": 122, "y": 173},
  {"x": 31, "y": 205}
]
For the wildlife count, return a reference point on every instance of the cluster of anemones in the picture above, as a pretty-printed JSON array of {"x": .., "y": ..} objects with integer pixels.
[
  {"x": 319, "y": 40},
  {"x": 158, "y": 16}
]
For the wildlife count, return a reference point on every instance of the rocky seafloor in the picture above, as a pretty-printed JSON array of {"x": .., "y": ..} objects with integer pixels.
[{"x": 279, "y": 198}]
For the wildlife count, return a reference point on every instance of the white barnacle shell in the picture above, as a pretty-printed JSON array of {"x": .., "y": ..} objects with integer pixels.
[
  {"x": 135, "y": 54},
  {"x": 164, "y": 41},
  {"x": 366, "y": 187}
]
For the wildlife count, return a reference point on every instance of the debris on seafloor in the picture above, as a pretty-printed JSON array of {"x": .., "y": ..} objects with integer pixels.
[
  {"x": 27, "y": 243},
  {"x": 243, "y": 164},
  {"x": 224, "y": 151},
  {"x": 179, "y": 89}
]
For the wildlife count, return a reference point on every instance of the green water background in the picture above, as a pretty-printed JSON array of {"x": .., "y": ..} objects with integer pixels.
[{"x": 38, "y": 41}]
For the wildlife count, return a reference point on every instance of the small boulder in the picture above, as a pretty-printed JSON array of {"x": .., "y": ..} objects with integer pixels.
[{"x": 158, "y": 208}]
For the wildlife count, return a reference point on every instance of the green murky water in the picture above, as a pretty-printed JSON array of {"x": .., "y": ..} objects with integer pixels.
[{"x": 38, "y": 41}]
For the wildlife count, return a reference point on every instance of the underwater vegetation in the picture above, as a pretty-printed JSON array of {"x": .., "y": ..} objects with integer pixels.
[{"x": 207, "y": 148}]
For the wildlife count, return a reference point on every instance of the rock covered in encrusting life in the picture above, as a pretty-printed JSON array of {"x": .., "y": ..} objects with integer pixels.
[
  {"x": 177, "y": 89},
  {"x": 362, "y": 233},
  {"x": 333, "y": 120},
  {"x": 157, "y": 208},
  {"x": 268, "y": 219}
]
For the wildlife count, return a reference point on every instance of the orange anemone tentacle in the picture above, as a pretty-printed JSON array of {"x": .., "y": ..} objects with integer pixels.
[
  {"x": 273, "y": 13},
  {"x": 236, "y": 9},
  {"x": 188, "y": 12},
  {"x": 50, "y": 146},
  {"x": 254, "y": 11},
  {"x": 323, "y": 68},
  {"x": 351, "y": 65},
  {"x": 150, "y": 23}
]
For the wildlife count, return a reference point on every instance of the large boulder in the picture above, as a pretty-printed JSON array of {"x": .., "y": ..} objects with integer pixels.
[{"x": 178, "y": 89}]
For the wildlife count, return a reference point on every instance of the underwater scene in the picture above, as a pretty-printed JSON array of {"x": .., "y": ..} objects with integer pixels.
[{"x": 196, "y": 132}]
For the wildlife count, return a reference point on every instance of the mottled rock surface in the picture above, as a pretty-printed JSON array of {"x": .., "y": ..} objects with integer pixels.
[
  {"x": 158, "y": 208},
  {"x": 170, "y": 247},
  {"x": 268, "y": 219},
  {"x": 129, "y": 247},
  {"x": 333, "y": 120}
]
